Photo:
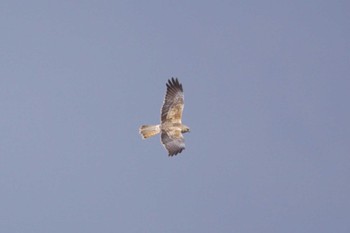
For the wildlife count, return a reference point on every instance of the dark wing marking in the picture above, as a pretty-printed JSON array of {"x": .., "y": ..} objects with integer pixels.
[
  {"x": 173, "y": 143},
  {"x": 173, "y": 102}
]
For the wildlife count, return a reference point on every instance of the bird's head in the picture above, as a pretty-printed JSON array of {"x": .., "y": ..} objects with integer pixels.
[{"x": 185, "y": 129}]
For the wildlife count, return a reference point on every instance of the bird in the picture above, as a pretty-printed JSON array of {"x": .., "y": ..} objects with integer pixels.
[{"x": 170, "y": 128}]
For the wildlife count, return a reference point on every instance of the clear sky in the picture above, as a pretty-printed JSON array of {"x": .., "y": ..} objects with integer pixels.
[{"x": 266, "y": 97}]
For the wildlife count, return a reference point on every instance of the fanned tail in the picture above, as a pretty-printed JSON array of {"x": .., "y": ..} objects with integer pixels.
[{"x": 147, "y": 131}]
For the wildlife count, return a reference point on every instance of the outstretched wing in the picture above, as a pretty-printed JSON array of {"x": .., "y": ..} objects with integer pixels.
[
  {"x": 173, "y": 102},
  {"x": 174, "y": 142}
]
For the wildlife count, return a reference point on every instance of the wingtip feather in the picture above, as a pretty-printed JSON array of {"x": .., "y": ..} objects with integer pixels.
[{"x": 174, "y": 83}]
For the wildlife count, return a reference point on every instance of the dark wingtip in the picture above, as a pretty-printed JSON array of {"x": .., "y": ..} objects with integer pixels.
[
  {"x": 174, "y": 82},
  {"x": 176, "y": 152}
]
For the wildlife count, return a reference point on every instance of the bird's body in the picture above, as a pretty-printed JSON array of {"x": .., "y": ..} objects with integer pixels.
[{"x": 171, "y": 127}]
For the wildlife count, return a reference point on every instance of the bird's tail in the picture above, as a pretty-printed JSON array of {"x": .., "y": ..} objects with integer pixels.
[{"x": 147, "y": 131}]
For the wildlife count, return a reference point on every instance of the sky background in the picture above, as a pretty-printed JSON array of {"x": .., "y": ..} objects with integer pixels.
[{"x": 266, "y": 97}]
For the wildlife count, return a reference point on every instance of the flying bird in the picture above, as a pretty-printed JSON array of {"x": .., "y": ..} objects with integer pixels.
[{"x": 171, "y": 127}]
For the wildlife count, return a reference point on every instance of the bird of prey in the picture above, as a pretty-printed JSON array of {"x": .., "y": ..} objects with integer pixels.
[{"x": 171, "y": 127}]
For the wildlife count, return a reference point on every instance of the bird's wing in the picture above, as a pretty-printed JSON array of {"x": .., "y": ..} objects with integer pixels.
[
  {"x": 173, "y": 102},
  {"x": 173, "y": 141}
]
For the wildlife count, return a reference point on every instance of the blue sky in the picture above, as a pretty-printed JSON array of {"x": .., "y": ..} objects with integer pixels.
[{"x": 266, "y": 97}]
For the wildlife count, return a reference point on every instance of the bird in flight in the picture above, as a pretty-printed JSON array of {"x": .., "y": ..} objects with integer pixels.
[{"x": 171, "y": 127}]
